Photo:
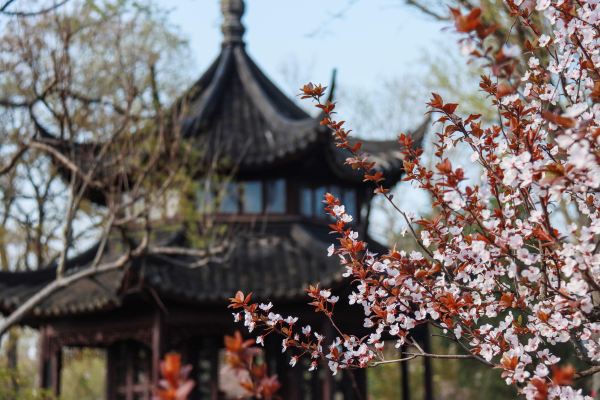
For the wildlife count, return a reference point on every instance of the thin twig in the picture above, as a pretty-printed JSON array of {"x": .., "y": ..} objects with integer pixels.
[{"x": 3, "y": 9}]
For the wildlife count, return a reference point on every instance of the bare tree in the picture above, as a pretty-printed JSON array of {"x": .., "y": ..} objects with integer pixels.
[{"x": 88, "y": 149}]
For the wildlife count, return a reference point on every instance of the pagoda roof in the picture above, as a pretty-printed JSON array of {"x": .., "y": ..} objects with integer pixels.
[
  {"x": 237, "y": 116},
  {"x": 237, "y": 113},
  {"x": 277, "y": 265}
]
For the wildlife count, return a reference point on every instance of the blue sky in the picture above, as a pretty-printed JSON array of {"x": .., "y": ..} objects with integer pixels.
[{"x": 371, "y": 39}]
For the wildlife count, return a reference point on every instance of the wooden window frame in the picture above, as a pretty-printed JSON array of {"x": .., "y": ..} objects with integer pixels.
[{"x": 315, "y": 215}]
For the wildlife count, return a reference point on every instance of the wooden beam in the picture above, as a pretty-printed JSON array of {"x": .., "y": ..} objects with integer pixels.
[{"x": 128, "y": 372}]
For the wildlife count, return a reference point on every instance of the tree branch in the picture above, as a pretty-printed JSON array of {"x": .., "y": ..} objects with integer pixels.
[
  {"x": 55, "y": 285},
  {"x": 412, "y": 356},
  {"x": 184, "y": 251},
  {"x": 427, "y": 11},
  {"x": 66, "y": 162},
  {"x": 13, "y": 161},
  {"x": 3, "y": 9},
  {"x": 6, "y": 5},
  {"x": 587, "y": 372}
]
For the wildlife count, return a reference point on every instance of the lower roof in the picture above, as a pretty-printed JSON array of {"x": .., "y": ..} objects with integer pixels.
[{"x": 277, "y": 265}]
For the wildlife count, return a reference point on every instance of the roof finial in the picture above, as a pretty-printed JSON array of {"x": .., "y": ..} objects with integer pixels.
[{"x": 232, "y": 27}]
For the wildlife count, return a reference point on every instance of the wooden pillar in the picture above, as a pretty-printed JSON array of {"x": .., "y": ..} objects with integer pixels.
[
  {"x": 293, "y": 379},
  {"x": 427, "y": 367},
  {"x": 112, "y": 357},
  {"x": 50, "y": 361},
  {"x": 158, "y": 345},
  {"x": 315, "y": 385},
  {"x": 284, "y": 373},
  {"x": 56, "y": 367},
  {"x": 192, "y": 357},
  {"x": 405, "y": 381},
  {"x": 360, "y": 380}
]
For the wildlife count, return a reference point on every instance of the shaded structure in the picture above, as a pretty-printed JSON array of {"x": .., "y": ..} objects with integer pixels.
[{"x": 284, "y": 163}]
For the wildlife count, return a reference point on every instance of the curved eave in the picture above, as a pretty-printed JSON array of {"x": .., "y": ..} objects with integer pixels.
[
  {"x": 276, "y": 131},
  {"x": 281, "y": 112},
  {"x": 97, "y": 292},
  {"x": 17, "y": 287},
  {"x": 274, "y": 266},
  {"x": 387, "y": 154}
]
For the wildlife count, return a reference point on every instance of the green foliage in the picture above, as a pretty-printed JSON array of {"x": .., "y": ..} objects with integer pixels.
[
  {"x": 15, "y": 385},
  {"x": 384, "y": 381},
  {"x": 20, "y": 382},
  {"x": 466, "y": 379},
  {"x": 83, "y": 375},
  {"x": 452, "y": 379}
]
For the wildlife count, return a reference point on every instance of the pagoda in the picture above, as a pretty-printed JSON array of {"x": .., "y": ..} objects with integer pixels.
[{"x": 285, "y": 162}]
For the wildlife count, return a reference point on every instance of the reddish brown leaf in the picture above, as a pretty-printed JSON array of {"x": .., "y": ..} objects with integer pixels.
[
  {"x": 445, "y": 167},
  {"x": 469, "y": 22},
  {"x": 563, "y": 375},
  {"x": 563, "y": 122}
]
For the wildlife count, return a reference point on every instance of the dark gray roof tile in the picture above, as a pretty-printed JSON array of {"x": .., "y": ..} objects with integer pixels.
[{"x": 273, "y": 265}]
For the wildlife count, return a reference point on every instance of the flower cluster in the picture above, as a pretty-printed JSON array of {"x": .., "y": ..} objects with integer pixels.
[
  {"x": 175, "y": 384},
  {"x": 243, "y": 377},
  {"x": 508, "y": 268}
]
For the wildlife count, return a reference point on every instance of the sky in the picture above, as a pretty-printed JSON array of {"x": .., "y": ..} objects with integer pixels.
[{"x": 366, "y": 40}]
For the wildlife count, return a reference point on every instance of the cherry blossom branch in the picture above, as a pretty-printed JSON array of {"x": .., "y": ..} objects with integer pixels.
[
  {"x": 412, "y": 356},
  {"x": 495, "y": 271}
]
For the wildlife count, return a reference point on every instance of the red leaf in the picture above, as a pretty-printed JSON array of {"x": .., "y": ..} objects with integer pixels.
[
  {"x": 450, "y": 108},
  {"x": 436, "y": 101},
  {"x": 563, "y": 375},
  {"x": 564, "y": 122},
  {"x": 469, "y": 22},
  {"x": 445, "y": 167}
]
